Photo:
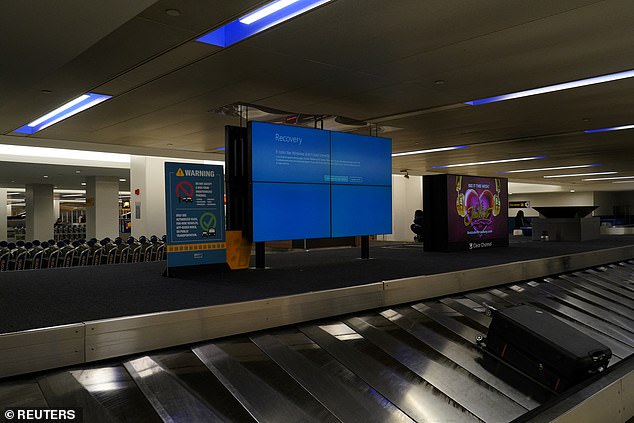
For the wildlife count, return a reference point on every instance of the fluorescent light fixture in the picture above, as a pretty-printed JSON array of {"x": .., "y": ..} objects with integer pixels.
[
  {"x": 521, "y": 159},
  {"x": 580, "y": 174},
  {"x": 557, "y": 87},
  {"x": 259, "y": 20},
  {"x": 265, "y": 11},
  {"x": 609, "y": 179},
  {"x": 614, "y": 128},
  {"x": 122, "y": 179},
  {"x": 623, "y": 182},
  {"x": 65, "y": 111},
  {"x": 69, "y": 191},
  {"x": 546, "y": 169},
  {"x": 431, "y": 150}
]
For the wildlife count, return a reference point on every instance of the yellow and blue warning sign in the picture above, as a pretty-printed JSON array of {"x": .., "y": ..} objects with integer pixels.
[{"x": 194, "y": 205}]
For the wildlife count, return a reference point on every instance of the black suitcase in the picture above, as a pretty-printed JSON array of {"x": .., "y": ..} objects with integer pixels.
[{"x": 545, "y": 348}]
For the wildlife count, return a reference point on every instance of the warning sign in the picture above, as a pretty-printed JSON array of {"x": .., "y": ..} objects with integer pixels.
[{"x": 195, "y": 214}]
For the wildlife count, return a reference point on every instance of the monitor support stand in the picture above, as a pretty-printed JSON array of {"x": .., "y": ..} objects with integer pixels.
[{"x": 365, "y": 247}]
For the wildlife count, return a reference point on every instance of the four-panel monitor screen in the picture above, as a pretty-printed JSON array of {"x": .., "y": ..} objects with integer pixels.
[{"x": 311, "y": 183}]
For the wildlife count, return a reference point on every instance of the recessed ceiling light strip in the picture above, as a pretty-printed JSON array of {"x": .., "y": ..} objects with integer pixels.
[
  {"x": 259, "y": 20},
  {"x": 557, "y": 87},
  {"x": 521, "y": 159},
  {"x": 265, "y": 11},
  {"x": 571, "y": 175},
  {"x": 608, "y": 179},
  {"x": 614, "y": 128},
  {"x": 65, "y": 111},
  {"x": 431, "y": 150},
  {"x": 546, "y": 169}
]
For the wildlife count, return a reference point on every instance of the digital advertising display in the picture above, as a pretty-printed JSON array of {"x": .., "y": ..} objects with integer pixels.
[
  {"x": 310, "y": 183},
  {"x": 464, "y": 212},
  {"x": 194, "y": 197},
  {"x": 476, "y": 208}
]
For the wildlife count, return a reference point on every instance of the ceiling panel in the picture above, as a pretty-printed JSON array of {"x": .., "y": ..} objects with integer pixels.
[{"x": 407, "y": 64}]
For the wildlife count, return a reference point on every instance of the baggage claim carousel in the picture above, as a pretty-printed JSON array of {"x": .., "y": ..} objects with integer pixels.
[{"x": 408, "y": 361}]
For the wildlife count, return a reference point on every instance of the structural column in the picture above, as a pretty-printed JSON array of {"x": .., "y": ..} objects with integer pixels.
[
  {"x": 147, "y": 194},
  {"x": 102, "y": 207},
  {"x": 39, "y": 212},
  {"x": 3, "y": 214}
]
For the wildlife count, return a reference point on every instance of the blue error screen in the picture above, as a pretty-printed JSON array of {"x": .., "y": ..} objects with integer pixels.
[
  {"x": 310, "y": 183},
  {"x": 289, "y": 154}
]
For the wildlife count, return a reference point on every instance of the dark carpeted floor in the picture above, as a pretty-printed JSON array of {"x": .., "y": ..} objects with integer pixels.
[{"x": 41, "y": 298}]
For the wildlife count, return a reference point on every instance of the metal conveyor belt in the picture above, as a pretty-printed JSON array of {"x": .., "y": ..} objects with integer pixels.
[{"x": 415, "y": 362}]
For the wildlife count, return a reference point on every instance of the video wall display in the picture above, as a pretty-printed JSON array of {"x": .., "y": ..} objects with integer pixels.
[
  {"x": 465, "y": 212},
  {"x": 310, "y": 183}
]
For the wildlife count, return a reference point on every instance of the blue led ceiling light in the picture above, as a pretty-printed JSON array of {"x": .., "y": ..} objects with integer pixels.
[
  {"x": 613, "y": 128},
  {"x": 557, "y": 87},
  {"x": 259, "y": 20},
  {"x": 67, "y": 110}
]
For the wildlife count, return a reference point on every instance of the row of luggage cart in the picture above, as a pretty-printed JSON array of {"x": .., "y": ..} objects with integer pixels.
[
  {"x": 21, "y": 255},
  {"x": 69, "y": 231},
  {"x": 60, "y": 232}
]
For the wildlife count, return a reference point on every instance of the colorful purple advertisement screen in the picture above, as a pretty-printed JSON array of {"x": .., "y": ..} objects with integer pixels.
[{"x": 477, "y": 208}]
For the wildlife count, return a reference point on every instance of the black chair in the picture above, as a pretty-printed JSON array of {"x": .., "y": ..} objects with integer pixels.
[{"x": 417, "y": 226}]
